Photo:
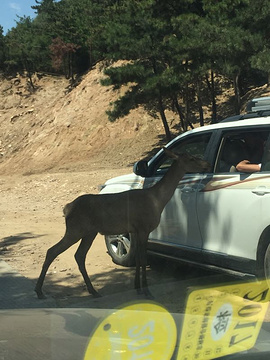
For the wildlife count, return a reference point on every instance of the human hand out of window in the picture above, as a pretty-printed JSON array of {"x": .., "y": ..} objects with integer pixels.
[{"x": 246, "y": 166}]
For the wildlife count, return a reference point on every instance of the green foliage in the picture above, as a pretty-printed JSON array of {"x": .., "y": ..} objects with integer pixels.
[
  {"x": 261, "y": 60},
  {"x": 172, "y": 49},
  {"x": 20, "y": 42},
  {"x": 136, "y": 32},
  {"x": 2, "y": 48}
]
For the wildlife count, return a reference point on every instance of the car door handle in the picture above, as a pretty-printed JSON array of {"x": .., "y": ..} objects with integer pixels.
[{"x": 261, "y": 190}]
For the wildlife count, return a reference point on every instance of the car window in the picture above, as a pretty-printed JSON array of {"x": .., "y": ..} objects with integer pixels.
[
  {"x": 238, "y": 146},
  {"x": 194, "y": 145},
  {"x": 266, "y": 156}
]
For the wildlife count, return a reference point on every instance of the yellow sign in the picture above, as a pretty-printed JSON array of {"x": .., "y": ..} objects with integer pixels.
[
  {"x": 222, "y": 320},
  {"x": 138, "y": 331}
]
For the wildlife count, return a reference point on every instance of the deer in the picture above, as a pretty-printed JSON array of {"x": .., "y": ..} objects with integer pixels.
[{"x": 136, "y": 212}]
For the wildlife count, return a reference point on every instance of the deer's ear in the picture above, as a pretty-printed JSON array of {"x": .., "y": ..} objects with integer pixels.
[{"x": 170, "y": 154}]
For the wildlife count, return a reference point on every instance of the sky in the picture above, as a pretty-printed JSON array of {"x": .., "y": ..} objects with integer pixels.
[{"x": 10, "y": 8}]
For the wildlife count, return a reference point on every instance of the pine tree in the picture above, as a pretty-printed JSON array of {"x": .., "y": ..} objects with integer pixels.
[{"x": 2, "y": 48}]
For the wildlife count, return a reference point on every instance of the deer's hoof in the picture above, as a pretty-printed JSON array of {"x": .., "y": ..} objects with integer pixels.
[
  {"x": 147, "y": 293},
  {"x": 139, "y": 291},
  {"x": 149, "y": 296},
  {"x": 96, "y": 294},
  {"x": 40, "y": 295}
]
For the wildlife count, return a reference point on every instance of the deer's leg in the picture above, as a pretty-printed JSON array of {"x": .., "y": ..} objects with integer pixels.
[
  {"x": 80, "y": 256},
  {"x": 143, "y": 261},
  {"x": 52, "y": 253},
  {"x": 137, "y": 281}
]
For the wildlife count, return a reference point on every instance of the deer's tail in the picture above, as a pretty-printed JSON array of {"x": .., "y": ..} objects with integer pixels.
[{"x": 67, "y": 209}]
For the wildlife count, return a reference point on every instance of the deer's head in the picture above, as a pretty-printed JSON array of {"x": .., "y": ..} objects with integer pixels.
[{"x": 190, "y": 163}]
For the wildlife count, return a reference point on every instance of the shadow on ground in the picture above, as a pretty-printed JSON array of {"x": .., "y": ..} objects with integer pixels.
[
  {"x": 168, "y": 282},
  {"x": 14, "y": 239}
]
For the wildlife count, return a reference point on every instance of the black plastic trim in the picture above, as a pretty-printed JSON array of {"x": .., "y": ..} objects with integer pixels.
[
  {"x": 251, "y": 115},
  {"x": 202, "y": 257}
]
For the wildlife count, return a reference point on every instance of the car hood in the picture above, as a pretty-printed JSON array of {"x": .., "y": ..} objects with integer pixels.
[{"x": 122, "y": 183}]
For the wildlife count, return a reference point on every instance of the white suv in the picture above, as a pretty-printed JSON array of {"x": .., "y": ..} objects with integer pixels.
[{"x": 221, "y": 218}]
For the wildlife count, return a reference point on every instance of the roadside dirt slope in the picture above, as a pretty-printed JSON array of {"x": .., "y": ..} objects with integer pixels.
[{"x": 53, "y": 128}]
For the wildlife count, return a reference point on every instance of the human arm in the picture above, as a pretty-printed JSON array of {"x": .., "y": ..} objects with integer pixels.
[{"x": 246, "y": 166}]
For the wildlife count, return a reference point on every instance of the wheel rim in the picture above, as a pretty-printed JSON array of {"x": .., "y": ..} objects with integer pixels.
[
  {"x": 119, "y": 245},
  {"x": 267, "y": 265}
]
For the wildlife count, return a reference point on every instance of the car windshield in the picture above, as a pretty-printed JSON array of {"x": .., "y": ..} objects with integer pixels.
[
  {"x": 135, "y": 221},
  {"x": 192, "y": 314}
]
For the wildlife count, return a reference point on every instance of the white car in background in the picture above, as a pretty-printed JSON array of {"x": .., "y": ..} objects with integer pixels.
[{"x": 220, "y": 218}]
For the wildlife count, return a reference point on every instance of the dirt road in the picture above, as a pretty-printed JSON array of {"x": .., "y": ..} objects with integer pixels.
[{"x": 32, "y": 221}]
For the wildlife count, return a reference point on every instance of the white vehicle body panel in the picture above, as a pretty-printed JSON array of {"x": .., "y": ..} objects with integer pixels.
[
  {"x": 178, "y": 223},
  {"x": 230, "y": 214},
  {"x": 220, "y": 213},
  {"x": 122, "y": 183}
]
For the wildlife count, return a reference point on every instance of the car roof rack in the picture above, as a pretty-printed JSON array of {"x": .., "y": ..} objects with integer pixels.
[
  {"x": 255, "y": 108},
  {"x": 258, "y": 105}
]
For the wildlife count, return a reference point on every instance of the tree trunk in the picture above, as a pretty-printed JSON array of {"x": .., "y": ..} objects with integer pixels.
[
  {"x": 237, "y": 102},
  {"x": 200, "y": 104},
  {"x": 164, "y": 119},
  {"x": 187, "y": 107},
  {"x": 184, "y": 123},
  {"x": 180, "y": 113},
  {"x": 213, "y": 98},
  {"x": 29, "y": 73},
  {"x": 161, "y": 107},
  {"x": 70, "y": 66}
]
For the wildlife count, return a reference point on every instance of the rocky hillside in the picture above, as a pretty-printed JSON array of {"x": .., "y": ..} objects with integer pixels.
[{"x": 56, "y": 129}]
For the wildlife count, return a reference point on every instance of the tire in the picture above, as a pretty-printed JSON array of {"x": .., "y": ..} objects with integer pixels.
[
  {"x": 121, "y": 249},
  {"x": 266, "y": 265},
  {"x": 263, "y": 269}
]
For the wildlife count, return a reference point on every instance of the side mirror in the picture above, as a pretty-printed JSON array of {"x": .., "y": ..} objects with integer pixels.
[{"x": 141, "y": 168}]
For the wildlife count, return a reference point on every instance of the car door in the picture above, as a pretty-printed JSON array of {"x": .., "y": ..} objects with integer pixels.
[
  {"x": 229, "y": 204},
  {"x": 178, "y": 223}
]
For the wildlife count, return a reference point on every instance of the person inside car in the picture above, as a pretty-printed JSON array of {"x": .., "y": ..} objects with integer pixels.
[
  {"x": 247, "y": 166},
  {"x": 255, "y": 147}
]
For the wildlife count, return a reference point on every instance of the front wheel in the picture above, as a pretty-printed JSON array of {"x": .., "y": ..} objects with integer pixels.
[
  {"x": 263, "y": 270},
  {"x": 121, "y": 249},
  {"x": 266, "y": 265}
]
